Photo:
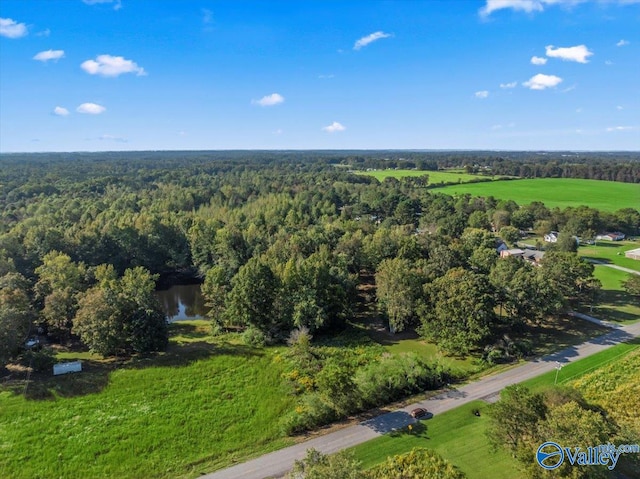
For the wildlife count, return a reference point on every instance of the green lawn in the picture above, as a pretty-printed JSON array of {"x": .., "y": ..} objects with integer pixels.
[
  {"x": 204, "y": 404},
  {"x": 614, "y": 303},
  {"x": 560, "y": 192},
  {"x": 612, "y": 252},
  {"x": 459, "y": 436},
  {"x": 434, "y": 176}
]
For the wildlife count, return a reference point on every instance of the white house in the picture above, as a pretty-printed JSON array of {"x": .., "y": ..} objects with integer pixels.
[
  {"x": 551, "y": 237},
  {"x": 615, "y": 236}
]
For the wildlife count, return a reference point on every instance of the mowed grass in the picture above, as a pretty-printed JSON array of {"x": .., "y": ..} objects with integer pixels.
[
  {"x": 202, "y": 406},
  {"x": 457, "y": 435},
  {"x": 434, "y": 176},
  {"x": 612, "y": 252},
  {"x": 560, "y": 192},
  {"x": 460, "y": 437},
  {"x": 613, "y": 303}
]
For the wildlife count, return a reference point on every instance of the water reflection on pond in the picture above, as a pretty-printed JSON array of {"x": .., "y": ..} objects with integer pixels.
[{"x": 182, "y": 302}]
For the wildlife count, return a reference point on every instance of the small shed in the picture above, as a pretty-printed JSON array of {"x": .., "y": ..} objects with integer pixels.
[{"x": 633, "y": 254}]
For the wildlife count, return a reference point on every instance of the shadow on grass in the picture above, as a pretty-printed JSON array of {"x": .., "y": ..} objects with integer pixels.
[
  {"x": 94, "y": 376},
  {"x": 597, "y": 260},
  {"x": 610, "y": 303},
  {"x": 417, "y": 429},
  {"x": 189, "y": 331}
]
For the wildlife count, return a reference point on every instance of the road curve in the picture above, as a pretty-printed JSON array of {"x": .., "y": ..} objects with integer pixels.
[{"x": 277, "y": 463}]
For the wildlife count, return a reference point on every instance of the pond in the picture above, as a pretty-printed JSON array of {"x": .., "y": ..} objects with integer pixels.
[{"x": 182, "y": 302}]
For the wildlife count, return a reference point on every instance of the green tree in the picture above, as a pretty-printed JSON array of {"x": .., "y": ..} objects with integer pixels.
[
  {"x": 397, "y": 290},
  {"x": 252, "y": 297},
  {"x": 16, "y": 315},
  {"x": 122, "y": 315},
  {"x": 632, "y": 284},
  {"x": 510, "y": 235},
  {"x": 417, "y": 464},
  {"x": 515, "y": 418},
  {"x": 320, "y": 466},
  {"x": 458, "y": 313}
]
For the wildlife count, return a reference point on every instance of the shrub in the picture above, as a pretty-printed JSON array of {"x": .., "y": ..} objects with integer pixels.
[{"x": 255, "y": 337}]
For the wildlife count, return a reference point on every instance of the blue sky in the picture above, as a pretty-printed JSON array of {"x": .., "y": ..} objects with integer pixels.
[{"x": 93, "y": 75}]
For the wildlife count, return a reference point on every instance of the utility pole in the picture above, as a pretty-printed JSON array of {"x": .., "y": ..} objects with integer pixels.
[{"x": 558, "y": 368}]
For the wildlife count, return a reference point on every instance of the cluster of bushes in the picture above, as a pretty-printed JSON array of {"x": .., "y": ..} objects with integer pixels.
[{"x": 333, "y": 383}]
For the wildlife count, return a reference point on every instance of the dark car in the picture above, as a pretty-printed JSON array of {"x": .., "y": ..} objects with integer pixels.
[{"x": 421, "y": 413}]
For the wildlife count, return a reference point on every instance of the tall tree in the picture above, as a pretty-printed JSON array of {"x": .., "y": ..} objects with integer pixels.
[
  {"x": 458, "y": 313},
  {"x": 16, "y": 315},
  {"x": 398, "y": 288}
]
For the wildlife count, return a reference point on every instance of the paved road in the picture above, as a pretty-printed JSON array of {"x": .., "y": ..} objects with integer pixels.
[
  {"x": 614, "y": 266},
  {"x": 277, "y": 463}
]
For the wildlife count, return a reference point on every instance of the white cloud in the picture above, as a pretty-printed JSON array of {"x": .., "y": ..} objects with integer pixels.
[
  {"x": 512, "y": 84},
  {"x": 622, "y": 43},
  {"x": 60, "y": 111},
  {"x": 91, "y": 109},
  {"x": 530, "y": 6},
  {"x": 608, "y": 63},
  {"x": 11, "y": 29},
  {"x": 619, "y": 107},
  {"x": 110, "y": 66},
  {"x": 44, "y": 33},
  {"x": 541, "y": 81},
  {"x": 364, "y": 41},
  {"x": 117, "y": 3},
  {"x": 47, "y": 55},
  {"x": 620, "y": 128},
  {"x": 334, "y": 127},
  {"x": 578, "y": 53},
  {"x": 482, "y": 94},
  {"x": 269, "y": 100},
  {"x": 521, "y": 5},
  {"x": 538, "y": 60},
  {"x": 119, "y": 139}
]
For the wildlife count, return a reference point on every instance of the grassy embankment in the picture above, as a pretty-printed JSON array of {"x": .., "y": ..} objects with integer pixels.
[
  {"x": 560, "y": 192},
  {"x": 204, "y": 404},
  {"x": 459, "y": 435}
]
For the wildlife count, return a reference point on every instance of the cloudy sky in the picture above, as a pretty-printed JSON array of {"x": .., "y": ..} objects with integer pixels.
[{"x": 487, "y": 74}]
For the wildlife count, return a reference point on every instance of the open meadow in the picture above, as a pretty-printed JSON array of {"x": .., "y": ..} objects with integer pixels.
[
  {"x": 611, "y": 252},
  {"x": 560, "y": 192},
  {"x": 202, "y": 405}
]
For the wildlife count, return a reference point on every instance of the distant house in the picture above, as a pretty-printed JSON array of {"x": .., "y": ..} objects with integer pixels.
[
  {"x": 615, "y": 236},
  {"x": 501, "y": 246},
  {"x": 530, "y": 255},
  {"x": 552, "y": 237},
  {"x": 633, "y": 254}
]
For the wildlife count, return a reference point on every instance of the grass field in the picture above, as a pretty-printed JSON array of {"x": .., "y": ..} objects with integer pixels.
[
  {"x": 434, "y": 176},
  {"x": 613, "y": 304},
  {"x": 459, "y": 436},
  {"x": 560, "y": 192},
  {"x": 203, "y": 405},
  {"x": 612, "y": 252}
]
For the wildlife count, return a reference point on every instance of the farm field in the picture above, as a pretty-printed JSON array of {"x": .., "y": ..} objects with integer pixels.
[
  {"x": 557, "y": 192},
  {"x": 611, "y": 252},
  {"x": 203, "y": 405},
  {"x": 434, "y": 176},
  {"x": 459, "y": 435}
]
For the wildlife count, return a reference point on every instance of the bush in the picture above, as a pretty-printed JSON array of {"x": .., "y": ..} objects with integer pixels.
[
  {"x": 254, "y": 337},
  {"x": 39, "y": 360},
  {"x": 311, "y": 413}
]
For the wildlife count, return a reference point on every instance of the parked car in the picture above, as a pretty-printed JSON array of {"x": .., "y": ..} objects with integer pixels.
[{"x": 421, "y": 413}]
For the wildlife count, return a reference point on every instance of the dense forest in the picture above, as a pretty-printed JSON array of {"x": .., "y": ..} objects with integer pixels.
[{"x": 280, "y": 241}]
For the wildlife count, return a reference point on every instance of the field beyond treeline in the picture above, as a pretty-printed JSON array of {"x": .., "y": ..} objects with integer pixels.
[{"x": 557, "y": 192}]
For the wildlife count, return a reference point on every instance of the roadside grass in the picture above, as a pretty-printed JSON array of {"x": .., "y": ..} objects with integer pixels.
[
  {"x": 613, "y": 303},
  {"x": 205, "y": 404},
  {"x": 611, "y": 252},
  {"x": 434, "y": 176},
  {"x": 560, "y": 192},
  {"x": 459, "y": 436}
]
